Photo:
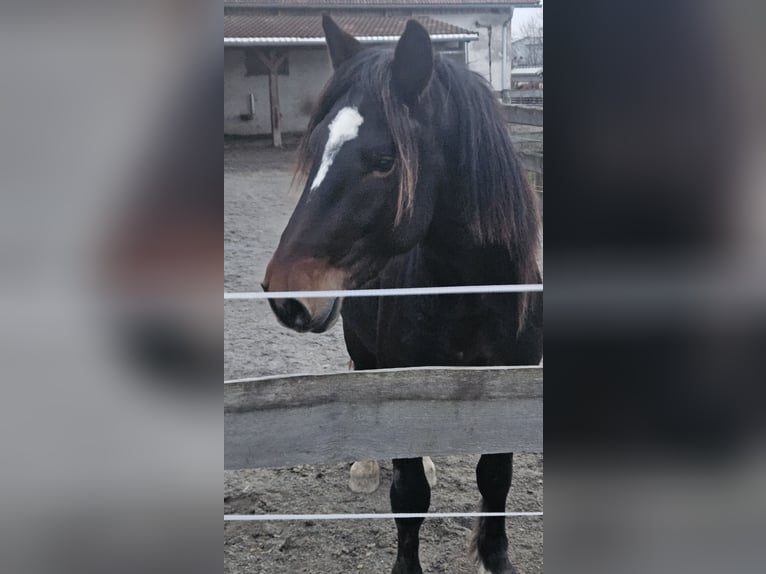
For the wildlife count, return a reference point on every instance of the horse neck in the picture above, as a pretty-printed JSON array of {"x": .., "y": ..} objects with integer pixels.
[
  {"x": 451, "y": 253},
  {"x": 469, "y": 266}
]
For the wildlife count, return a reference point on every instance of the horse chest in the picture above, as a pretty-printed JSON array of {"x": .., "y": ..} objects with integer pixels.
[{"x": 450, "y": 332}]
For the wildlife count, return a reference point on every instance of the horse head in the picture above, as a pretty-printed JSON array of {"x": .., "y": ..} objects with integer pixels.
[{"x": 361, "y": 160}]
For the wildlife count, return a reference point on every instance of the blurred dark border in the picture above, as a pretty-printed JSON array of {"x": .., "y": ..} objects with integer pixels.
[
  {"x": 655, "y": 322},
  {"x": 654, "y": 318}
]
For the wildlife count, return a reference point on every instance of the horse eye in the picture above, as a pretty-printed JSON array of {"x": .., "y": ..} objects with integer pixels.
[{"x": 383, "y": 164}]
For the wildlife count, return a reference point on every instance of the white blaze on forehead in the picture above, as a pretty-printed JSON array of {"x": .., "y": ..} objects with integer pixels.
[{"x": 344, "y": 127}]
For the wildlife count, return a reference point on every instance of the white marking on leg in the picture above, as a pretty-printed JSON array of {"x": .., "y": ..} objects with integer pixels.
[
  {"x": 343, "y": 128},
  {"x": 364, "y": 476},
  {"x": 430, "y": 470}
]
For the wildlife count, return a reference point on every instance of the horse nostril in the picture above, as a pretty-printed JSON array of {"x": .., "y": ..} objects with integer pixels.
[
  {"x": 299, "y": 316},
  {"x": 292, "y": 313}
]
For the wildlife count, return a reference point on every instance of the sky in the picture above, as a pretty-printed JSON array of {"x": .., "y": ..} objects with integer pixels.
[{"x": 521, "y": 16}]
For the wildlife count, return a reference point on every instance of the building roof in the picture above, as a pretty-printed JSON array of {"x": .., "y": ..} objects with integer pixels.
[
  {"x": 302, "y": 30},
  {"x": 361, "y": 4},
  {"x": 528, "y": 71}
]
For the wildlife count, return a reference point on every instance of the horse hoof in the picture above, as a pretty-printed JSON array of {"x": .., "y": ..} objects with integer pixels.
[
  {"x": 507, "y": 569},
  {"x": 430, "y": 470},
  {"x": 364, "y": 477},
  {"x": 402, "y": 567}
]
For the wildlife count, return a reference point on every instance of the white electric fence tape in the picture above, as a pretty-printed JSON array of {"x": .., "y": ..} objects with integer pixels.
[
  {"x": 456, "y": 290},
  {"x": 374, "y": 516}
]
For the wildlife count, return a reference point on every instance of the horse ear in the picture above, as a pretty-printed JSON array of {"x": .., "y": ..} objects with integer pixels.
[
  {"x": 413, "y": 63},
  {"x": 342, "y": 46}
]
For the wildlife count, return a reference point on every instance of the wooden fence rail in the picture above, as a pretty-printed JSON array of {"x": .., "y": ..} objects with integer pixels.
[
  {"x": 524, "y": 115},
  {"x": 389, "y": 413},
  {"x": 531, "y": 161}
]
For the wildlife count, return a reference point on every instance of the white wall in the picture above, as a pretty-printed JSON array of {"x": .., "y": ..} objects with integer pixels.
[
  {"x": 298, "y": 91},
  {"x": 479, "y": 50}
]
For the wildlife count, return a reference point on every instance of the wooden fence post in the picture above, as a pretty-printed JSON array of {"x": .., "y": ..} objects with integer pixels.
[{"x": 272, "y": 60}]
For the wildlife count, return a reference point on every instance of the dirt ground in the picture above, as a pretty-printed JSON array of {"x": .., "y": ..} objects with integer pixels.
[{"x": 257, "y": 206}]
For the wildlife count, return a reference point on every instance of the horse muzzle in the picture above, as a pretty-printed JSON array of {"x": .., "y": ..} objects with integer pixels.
[
  {"x": 296, "y": 314},
  {"x": 303, "y": 314}
]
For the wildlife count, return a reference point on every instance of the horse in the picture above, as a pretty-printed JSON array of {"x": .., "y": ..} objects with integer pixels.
[{"x": 411, "y": 180}]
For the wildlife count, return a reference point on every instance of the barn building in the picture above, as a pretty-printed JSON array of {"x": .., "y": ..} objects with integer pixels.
[{"x": 275, "y": 60}]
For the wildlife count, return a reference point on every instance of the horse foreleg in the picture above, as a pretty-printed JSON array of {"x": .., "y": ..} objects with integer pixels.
[
  {"x": 410, "y": 493},
  {"x": 364, "y": 476},
  {"x": 493, "y": 476},
  {"x": 430, "y": 469}
]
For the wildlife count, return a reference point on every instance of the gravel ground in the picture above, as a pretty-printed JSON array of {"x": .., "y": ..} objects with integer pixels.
[{"x": 257, "y": 206}]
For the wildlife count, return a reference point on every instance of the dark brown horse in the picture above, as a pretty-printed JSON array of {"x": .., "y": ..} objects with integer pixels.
[{"x": 412, "y": 181}]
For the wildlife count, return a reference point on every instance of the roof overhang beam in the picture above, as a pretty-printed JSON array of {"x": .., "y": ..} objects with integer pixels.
[{"x": 277, "y": 41}]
